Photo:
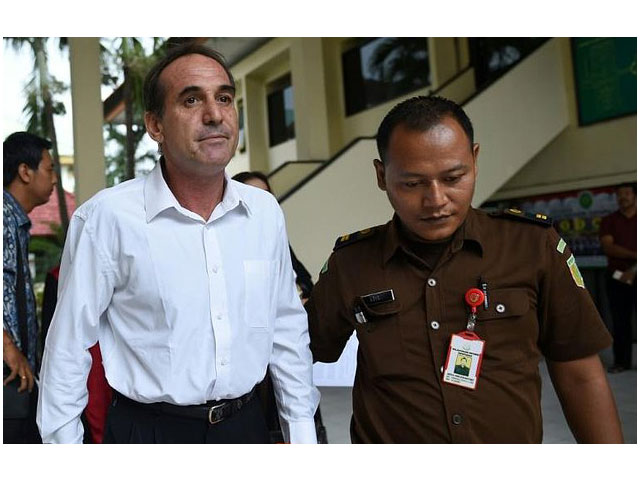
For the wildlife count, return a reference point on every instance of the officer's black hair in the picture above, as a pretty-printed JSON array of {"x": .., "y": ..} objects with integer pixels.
[
  {"x": 18, "y": 148},
  {"x": 242, "y": 177},
  {"x": 153, "y": 90},
  {"x": 421, "y": 113},
  {"x": 631, "y": 185}
]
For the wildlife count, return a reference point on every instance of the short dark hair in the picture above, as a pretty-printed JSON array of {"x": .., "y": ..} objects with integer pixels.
[
  {"x": 421, "y": 113},
  {"x": 153, "y": 92},
  {"x": 21, "y": 147},
  {"x": 242, "y": 177},
  {"x": 631, "y": 185}
]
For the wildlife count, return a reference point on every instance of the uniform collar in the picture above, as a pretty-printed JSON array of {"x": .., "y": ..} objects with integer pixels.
[
  {"x": 392, "y": 241},
  {"x": 158, "y": 197},
  {"x": 22, "y": 219},
  {"x": 470, "y": 233}
]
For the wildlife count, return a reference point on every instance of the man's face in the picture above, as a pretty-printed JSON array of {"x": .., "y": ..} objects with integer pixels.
[
  {"x": 199, "y": 127},
  {"x": 43, "y": 179},
  {"x": 429, "y": 178},
  {"x": 626, "y": 197}
]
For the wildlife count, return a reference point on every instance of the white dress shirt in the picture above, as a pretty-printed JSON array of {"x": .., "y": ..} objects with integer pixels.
[{"x": 185, "y": 310}]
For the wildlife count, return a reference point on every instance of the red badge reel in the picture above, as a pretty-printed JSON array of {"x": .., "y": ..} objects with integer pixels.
[{"x": 474, "y": 298}]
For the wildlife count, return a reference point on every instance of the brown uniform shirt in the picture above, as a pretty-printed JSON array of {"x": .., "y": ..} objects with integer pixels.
[{"x": 536, "y": 308}]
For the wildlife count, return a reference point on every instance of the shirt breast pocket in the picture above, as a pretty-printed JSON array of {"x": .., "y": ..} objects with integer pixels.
[
  {"x": 258, "y": 282},
  {"x": 509, "y": 326},
  {"x": 380, "y": 340}
]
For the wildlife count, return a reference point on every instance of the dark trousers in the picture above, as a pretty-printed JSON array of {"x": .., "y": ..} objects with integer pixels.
[
  {"x": 130, "y": 423},
  {"x": 622, "y": 302},
  {"x": 23, "y": 430}
]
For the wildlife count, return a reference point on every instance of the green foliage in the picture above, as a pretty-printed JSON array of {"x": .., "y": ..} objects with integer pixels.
[
  {"x": 48, "y": 251},
  {"x": 42, "y": 86},
  {"x": 41, "y": 105},
  {"x": 116, "y": 160},
  {"x": 124, "y": 59}
]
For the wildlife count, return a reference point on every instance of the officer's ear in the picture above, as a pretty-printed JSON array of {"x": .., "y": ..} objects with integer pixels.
[
  {"x": 379, "y": 166},
  {"x": 475, "y": 151}
]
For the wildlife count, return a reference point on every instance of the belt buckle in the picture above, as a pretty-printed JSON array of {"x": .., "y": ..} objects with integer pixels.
[{"x": 212, "y": 414}]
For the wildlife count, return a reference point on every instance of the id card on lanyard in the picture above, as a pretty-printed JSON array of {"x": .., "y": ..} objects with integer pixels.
[{"x": 466, "y": 349}]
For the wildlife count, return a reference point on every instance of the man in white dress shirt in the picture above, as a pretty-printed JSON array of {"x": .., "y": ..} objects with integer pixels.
[{"x": 185, "y": 279}]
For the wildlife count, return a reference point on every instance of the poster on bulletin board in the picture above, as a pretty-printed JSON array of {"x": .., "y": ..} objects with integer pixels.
[{"x": 606, "y": 77}]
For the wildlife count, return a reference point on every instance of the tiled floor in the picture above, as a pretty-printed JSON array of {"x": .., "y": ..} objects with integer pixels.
[{"x": 336, "y": 407}]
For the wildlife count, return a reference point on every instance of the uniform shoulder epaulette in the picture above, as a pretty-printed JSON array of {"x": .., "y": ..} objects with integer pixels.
[
  {"x": 515, "y": 214},
  {"x": 345, "y": 240}
]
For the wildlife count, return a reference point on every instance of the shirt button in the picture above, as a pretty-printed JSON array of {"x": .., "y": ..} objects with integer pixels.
[
  {"x": 457, "y": 419},
  {"x": 219, "y": 316},
  {"x": 435, "y": 325},
  {"x": 214, "y": 268},
  {"x": 500, "y": 308},
  {"x": 432, "y": 282}
]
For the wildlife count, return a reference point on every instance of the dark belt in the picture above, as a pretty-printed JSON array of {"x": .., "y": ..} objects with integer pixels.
[{"x": 212, "y": 412}]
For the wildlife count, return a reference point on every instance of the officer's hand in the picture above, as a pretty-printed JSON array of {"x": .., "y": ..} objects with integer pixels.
[{"x": 18, "y": 365}]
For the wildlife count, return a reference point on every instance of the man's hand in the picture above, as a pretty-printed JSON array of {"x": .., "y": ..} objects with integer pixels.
[
  {"x": 586, "y": 399},
  {"x": 17, "y": 363}
]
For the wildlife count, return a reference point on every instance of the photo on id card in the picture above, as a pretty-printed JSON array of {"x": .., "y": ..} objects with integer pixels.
[{"x": 462, "y": 367}]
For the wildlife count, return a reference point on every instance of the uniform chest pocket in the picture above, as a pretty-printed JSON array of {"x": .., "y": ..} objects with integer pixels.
[
  {"x": 380, "y": 340},
  {"x": 259, "y": 278},
  {"x": 509, "y": 328},
  {"x": 505, "y": 303}
]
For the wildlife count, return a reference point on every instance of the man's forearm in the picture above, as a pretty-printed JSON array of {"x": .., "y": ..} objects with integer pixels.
[
  {"x": 616, "y": 251},
  {"x": 586, "y": 399}
]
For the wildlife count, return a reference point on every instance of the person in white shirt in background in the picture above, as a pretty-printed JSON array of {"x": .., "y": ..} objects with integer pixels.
[{"x": 185, "y": 279}]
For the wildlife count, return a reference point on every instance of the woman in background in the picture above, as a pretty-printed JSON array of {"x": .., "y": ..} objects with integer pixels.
[{"x": 304, "y": 284}]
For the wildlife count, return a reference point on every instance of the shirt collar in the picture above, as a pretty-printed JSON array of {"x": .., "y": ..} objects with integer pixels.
[
  {"x": 21, "y": 217},
  {"x": 158, "y": 197},
  {"x": 469, "y": 233},
  {"x": 392, "y": 240}
]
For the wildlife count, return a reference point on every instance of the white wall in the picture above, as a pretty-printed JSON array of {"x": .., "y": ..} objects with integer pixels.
[{"x": 342, "y": 199}]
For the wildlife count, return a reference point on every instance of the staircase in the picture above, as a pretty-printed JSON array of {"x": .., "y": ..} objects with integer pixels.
[{"x": 514, "y": 118}]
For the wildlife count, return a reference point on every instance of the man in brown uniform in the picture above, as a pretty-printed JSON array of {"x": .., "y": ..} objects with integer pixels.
[{"x": 402, "y": 287}]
